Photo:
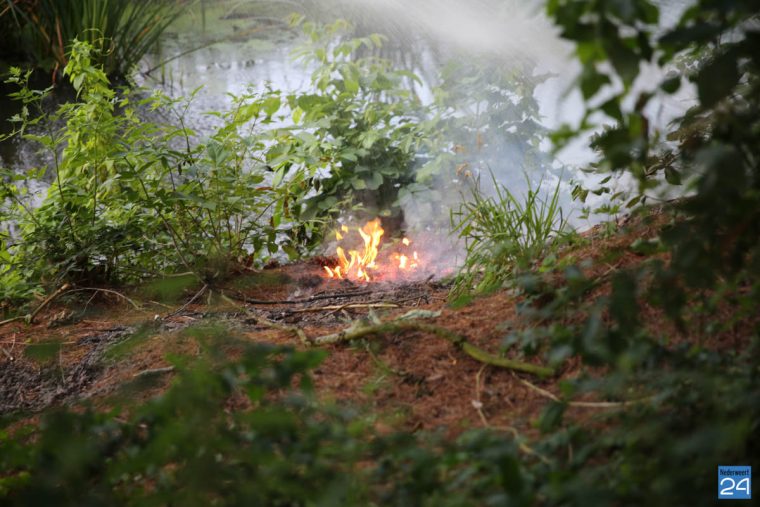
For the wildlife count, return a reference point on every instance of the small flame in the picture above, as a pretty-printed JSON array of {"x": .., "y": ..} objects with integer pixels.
[{"x": 358, "y": 265}]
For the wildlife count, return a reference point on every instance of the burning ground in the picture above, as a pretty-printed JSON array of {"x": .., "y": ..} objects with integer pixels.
[{"x": 96, "y": 349}]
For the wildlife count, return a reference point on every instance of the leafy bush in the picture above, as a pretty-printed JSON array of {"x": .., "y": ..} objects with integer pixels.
[
  {"x": 690, "y": 404},
  {"x": 126, "y": 203},
  {"x": 355, "y": 133},
  {"x": 132, "y": 198},
  {"x": 185, "y": 447},
  {"x": 705, "y": 409},
  {"x": 485, "y": 119},
  {"x": 717, "y": 139}
]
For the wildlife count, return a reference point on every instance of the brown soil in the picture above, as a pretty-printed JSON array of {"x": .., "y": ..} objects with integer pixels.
[{"x": 411, "y": 380}]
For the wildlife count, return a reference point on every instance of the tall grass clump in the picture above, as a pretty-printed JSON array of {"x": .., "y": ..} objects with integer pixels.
[
  {"x": 121, "y": 31},
  {"x": 504, "y": 232}
]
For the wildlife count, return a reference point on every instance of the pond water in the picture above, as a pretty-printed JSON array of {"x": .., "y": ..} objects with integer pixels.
[{"x": 247, "y": 43}]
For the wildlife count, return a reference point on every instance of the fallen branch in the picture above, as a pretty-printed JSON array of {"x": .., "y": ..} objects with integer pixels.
[
  {"x": 274, "y": 325},
  {"x": 63, "y": 290},
  {"x": 362, "y": 331},
  {"x": 12, "y": 319},
  {"x": 247, "y": 300}
]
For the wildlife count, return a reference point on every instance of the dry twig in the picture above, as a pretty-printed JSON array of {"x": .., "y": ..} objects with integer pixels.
[
  {"x": 478, "y": 405},
  {"x": 583, "y": 404},
  {"x": 340, "y": 295},
  {"x": 274, "y": 325},
  {"x": 344, "y": 307},
  {"x": 153, "y": 371},
  {"x": 106, "y": 291},
  {"x": 181, "y": 308}
]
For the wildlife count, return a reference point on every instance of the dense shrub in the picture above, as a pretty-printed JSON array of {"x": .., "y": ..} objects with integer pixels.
[{"x": 131, "y": 199}]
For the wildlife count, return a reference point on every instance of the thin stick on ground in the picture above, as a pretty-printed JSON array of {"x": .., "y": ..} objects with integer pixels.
[
  {"x": 182, "y": 308},
  {"x": 153, "y": 371},
  {"x": 62, "y": 291},
  {"x": 274, "y": 325},
  {"x": 582, "y": 404},
  {"x": 344, "y": 307},
  {"x": 106, "y": 291},
  {"x": 354, "y": 333},
  {"x": 478, "y": 404},
  {"x": 247, "y": 300}
]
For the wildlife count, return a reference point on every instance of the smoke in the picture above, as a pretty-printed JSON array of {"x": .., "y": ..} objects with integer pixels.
[
  {"x": 504, "y": 69},
  {"x": 514, "y": 84}
]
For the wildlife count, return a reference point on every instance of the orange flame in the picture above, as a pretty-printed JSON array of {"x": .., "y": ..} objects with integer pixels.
[{"x": 358, "y": 264}]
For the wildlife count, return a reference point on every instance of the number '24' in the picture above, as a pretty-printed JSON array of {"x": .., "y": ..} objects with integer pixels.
[{"x": 742, "y": 485}]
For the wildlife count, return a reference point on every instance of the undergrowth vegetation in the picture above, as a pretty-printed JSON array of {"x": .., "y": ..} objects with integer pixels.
[{"x": 133, "y": 198}]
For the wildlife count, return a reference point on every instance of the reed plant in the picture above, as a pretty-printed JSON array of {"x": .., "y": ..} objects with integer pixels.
[
  {"x": 121, "y": 31},
  {"x": 504, "y": 232}
]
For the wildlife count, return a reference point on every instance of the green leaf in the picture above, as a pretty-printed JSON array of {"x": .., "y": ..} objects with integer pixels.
[
  {"x": 77, "y": 82},
  {"x": 671, "y": 85},
  {"x": 374, "y": 182},
  {"x": 672, "y": 176},
  {"x": 308, "y": 103},
  {"x": 645, "y": 246},
  {"x": 551, "y": 416},
  {"x": 350, "y": 78},
  {"x": 278, "y": 176},
  {"x": 358, "y": 183},
  {"x": 272, "y": 105},
  {"x": 328, "y": 203},
  {"x": 592, "y": 81},
  {"x": 297, "y": 115}
]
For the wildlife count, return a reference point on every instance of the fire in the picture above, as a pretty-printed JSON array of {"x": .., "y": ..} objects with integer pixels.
[{"x": 362, "y": 264}]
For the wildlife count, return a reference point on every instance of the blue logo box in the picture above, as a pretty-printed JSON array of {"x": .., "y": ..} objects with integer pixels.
[{"x": 734, "y": 482}]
